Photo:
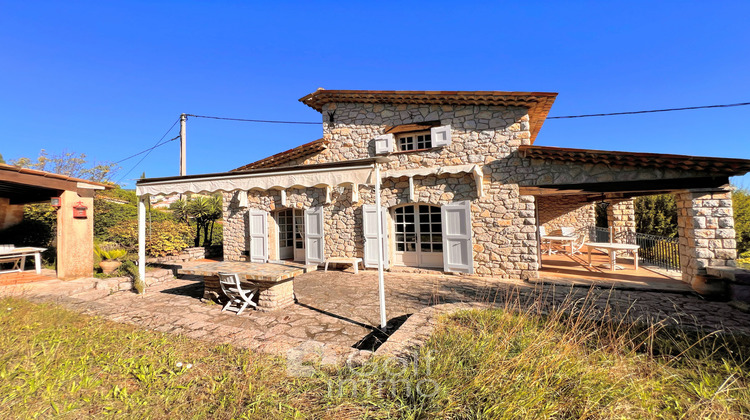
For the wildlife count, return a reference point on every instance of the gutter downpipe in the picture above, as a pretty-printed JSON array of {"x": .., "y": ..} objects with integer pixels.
[{"x": 381, "y": 257}]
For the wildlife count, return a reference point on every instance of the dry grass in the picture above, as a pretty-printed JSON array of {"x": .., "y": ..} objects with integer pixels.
[
  {"x": 519, "y": 361},
  {"x": 569, "y": 362}
]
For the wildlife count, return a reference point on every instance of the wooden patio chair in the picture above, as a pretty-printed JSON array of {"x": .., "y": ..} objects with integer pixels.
[
  {"x": 578, "y": 244},
  {"x": 242, "y": 297}
]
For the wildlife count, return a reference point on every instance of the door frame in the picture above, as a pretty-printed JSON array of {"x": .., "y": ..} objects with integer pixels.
[
  {"x": 298, "y": 255},
  {"x": 397, "y": 256}
]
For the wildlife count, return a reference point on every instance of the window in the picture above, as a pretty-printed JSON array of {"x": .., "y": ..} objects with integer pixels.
[{"x": 414, "y": 141}]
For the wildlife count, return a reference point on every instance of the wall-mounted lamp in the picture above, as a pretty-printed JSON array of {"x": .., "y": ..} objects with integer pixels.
[{"x": 55, "y": 202}]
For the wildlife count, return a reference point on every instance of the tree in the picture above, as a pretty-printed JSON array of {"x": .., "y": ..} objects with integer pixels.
[
  {"x": 70, "y": 164},
  {"x": 741, "y": 207},
  {"x": 1, "y": 159},
  {"x": 656, "y": 215}
]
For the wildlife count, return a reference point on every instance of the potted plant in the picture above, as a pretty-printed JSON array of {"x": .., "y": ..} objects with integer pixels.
[{"x": 110, "y": 258}]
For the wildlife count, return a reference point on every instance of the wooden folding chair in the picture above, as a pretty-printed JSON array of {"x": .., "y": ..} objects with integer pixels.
[{"x": 242, "y": 297}]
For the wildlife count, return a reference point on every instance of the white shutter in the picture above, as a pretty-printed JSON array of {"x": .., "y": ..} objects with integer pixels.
[
  {"x": 383, "y": 144},
  {"x": 457, "y": 250},
  {"x": 441, "y": 136},
  {"x": 257, "y": 232},
  {"x": 370, "y": 232},
  {"x": 314, "y": 237}
]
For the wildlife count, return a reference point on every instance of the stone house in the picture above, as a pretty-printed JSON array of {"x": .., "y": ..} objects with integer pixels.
[{"x": 463, "y": 187}]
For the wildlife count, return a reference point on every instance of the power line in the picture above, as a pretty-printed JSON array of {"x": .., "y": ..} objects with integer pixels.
[
  {"x": 549, "y": 118},
  {"x": 650, "y": 111},
  {"x": 150, "y": 148},
  {"x": 148, "y": 151},
  {"x": 255, "y": 121}
]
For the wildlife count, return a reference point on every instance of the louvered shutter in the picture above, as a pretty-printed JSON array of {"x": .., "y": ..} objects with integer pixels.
[
  {"x": 457, "y": 250},
  {"x": 370, "y": 232},
  {"x": 257, "y": 232},
  {"x": 314, "y": 236}
]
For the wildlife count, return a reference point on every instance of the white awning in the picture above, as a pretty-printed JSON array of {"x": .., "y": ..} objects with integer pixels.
[
  {"x": 319, "y": 177},
  {"x": 438, "y": 170}
]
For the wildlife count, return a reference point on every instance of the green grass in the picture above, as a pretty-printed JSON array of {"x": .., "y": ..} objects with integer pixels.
[
  {"x": 54, "y": 362},
  {"x": 502, "y": 363}
]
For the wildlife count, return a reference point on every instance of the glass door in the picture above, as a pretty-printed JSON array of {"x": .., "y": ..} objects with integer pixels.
[{"x": 418, "y": 240}]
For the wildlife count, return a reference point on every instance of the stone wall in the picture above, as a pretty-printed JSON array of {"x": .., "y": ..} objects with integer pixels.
[
  {"x": 10, "y": 214},
  {"x": 504, "y": 225},
  {"x": 187, "y": 254},
  {"x": 705, "y": 226},
  {"x": 558, "y": 211}
]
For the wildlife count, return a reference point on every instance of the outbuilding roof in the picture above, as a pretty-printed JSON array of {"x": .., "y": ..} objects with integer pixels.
[
  {"x": 538, "y": 103},
  {"x": 23, "y": 185}
]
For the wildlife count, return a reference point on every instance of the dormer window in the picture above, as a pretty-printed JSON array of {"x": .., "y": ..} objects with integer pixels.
[{"x": 414, "y": 141}]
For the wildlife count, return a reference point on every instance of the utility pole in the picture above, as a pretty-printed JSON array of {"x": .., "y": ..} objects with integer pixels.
[{"x": 183, "y": 141}]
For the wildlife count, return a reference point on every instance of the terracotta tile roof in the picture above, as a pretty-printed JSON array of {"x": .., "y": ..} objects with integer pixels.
[
  {"x": 538, "y": 103},
  {"x": 712, "y": 165},
  {"x": 50, "y": 175},
  {"x": 286, "y": 156}
]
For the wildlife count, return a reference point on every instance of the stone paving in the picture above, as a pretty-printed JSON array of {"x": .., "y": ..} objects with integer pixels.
[{"x": 336, "y": 310}]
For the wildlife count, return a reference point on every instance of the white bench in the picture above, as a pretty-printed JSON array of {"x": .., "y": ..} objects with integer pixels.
[{"x": 353, "y": 261}]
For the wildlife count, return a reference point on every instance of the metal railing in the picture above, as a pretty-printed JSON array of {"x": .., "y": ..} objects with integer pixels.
[{"x": 657, "y": 250}]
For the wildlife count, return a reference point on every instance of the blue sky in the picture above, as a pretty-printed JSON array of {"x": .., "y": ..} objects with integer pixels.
[{"x": 108, "y": 78}]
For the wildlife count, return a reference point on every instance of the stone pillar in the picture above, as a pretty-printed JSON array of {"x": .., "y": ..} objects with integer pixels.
[
  {"x": 705, "y": 225},
  {"x": 75, "y": 238},
  {"x": 621, "y": 216}
]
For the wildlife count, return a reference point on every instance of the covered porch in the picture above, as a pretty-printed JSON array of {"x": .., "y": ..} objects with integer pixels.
[{"x": 574, "y": 182}]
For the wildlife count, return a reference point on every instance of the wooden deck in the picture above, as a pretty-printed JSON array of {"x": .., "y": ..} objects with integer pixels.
[{"x": 574, "y": 270}]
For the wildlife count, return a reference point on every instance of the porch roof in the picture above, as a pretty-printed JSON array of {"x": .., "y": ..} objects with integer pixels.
[
  {"x": 712, "y": 165},
  {"x": 327, "y": 174}
]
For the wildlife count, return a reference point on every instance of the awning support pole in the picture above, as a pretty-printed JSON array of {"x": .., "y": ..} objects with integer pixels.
[
  {"x": 142, "y": 237},
  {"x": 381, "y": 257}
]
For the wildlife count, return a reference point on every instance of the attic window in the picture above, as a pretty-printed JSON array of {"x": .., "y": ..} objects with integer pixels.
[{"x": 414, "y": 141}]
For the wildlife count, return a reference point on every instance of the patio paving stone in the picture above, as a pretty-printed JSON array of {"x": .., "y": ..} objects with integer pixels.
[{"x": 335, "y": 310}]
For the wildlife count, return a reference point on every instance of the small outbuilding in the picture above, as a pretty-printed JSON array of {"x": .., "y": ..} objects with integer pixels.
[{"x": 74, "y": 199}]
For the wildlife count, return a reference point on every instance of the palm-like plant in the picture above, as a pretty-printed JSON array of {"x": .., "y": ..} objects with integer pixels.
[{"x": 203, "y": 210}]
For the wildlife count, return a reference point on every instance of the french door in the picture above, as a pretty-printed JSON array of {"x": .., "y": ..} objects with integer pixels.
[
  {"x": 291, "y": 224},
  {"x": 419, "y": 236}
]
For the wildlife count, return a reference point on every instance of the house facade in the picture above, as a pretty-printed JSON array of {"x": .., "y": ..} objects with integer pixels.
[{"x": 463, "y": 187}]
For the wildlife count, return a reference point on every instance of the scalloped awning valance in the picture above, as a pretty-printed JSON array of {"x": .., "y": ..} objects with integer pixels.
[{"x": 318, "y": 177}]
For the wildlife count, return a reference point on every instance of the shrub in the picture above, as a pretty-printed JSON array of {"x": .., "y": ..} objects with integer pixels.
[
  {"x": 163, "y": 238},
  {"x": 108, "y": 213},
  {"x": 109, "y": 253}
]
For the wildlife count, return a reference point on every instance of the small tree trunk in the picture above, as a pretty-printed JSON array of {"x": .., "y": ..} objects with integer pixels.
[
  {"x": 197, "y": 233},
  {"x": 205, "y": 234}
]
